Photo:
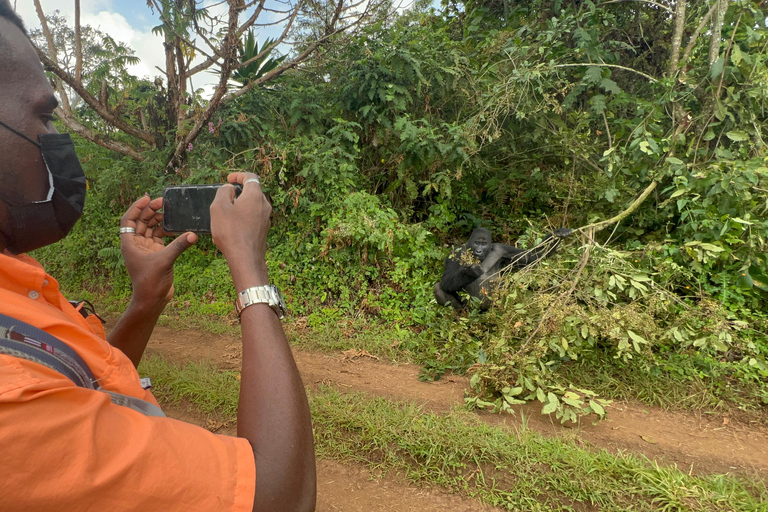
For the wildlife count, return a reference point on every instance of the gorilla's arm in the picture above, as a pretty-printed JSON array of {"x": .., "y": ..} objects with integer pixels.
[
  {"x": 457, "y": 276},
  {"x": 520, "y": 258}
]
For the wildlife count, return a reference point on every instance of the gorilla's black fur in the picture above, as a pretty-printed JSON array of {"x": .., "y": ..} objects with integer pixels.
[{"x": 475, "y": 265}]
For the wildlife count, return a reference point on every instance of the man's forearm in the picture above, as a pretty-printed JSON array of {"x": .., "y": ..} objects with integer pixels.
[
  {"x": 134, "y": 329},
  {"x": 273, "y": 413}
]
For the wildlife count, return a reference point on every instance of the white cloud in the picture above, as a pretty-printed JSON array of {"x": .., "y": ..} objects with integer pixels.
[{"x": 99, "y": 15}]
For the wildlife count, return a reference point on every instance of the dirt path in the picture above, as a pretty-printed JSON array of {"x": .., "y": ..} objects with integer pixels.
[
  {"x": 352, "y": 488},
  {"x": 698, "y": 444}
]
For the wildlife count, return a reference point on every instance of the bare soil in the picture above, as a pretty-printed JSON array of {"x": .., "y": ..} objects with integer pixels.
[
  {"x": 695, "y": 443},
  {"x": 352, "y": 488}
]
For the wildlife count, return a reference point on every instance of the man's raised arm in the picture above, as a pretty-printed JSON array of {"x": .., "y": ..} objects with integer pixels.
[{"x": 273, "y": 413}]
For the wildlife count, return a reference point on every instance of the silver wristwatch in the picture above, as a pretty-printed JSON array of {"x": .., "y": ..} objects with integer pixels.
[{"x": 269, "y": 294}]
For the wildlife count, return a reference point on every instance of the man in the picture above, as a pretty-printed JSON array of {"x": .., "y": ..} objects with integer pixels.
[{"x": 69, "y": 447}]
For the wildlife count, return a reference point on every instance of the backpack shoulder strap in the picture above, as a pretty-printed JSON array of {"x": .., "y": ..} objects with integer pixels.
[{"x": 19, "y": 339}]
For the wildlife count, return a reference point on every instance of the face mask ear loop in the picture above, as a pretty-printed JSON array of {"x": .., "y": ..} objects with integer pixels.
[{"x": 20, "y": 134}]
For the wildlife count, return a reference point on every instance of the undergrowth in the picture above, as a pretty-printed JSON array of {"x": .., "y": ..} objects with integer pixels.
[
  {"x": 519, "y": 470},
  {"x": 596, "y": 307}
]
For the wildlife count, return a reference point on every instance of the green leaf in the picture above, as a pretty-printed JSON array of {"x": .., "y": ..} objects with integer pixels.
[
  {"x": 737, "y": 135},
  {"x": 736, "y": 55},
  {"x": 473, "y": 382},
  {"x": 609, "y": 85},
  {"x": 636, "y": 337},
  {"x": 745, "y": 281},
  {"x": 541, "y": 396},
  {"x": 598, "y": 103},
  {"x": 712, "y": 247},
  {"x": 593, "y": 75},
  {"x": 678, "y": 192},
  {"x": 674, "y": 161},
  {"x": 717, "y": 68},
  {"x": 597, "y": 408},
  {"x": 549, "y": 408}
]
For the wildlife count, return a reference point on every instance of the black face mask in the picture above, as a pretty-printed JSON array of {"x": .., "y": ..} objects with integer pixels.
[{"x": 41, "y": 223}]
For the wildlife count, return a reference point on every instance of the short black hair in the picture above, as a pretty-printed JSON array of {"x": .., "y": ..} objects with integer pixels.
[{"x": 7, "y": 12}]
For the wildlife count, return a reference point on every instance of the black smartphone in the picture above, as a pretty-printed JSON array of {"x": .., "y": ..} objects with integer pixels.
[{"x": 188, "y": 207}]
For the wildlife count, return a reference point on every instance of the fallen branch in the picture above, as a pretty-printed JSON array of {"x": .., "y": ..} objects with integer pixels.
[
  {"x": 597, "y": 226},
  {"x": 603, "y": 65}
]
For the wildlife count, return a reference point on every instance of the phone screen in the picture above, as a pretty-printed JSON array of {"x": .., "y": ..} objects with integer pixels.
[{"x": 188, "y": 207}]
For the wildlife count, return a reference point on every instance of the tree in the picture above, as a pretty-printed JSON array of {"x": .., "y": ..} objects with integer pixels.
[{"x": 196, "y": 39}]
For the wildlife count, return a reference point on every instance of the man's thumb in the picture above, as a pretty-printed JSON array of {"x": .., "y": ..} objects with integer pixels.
[{"x": 181, "y": 244}]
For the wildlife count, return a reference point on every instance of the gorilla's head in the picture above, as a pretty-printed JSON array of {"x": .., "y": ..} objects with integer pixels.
[{"x": 480, "y": 243}]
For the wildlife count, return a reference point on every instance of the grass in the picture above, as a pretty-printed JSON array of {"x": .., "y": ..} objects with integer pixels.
[
  {"x": 520, "y": 470},
  {"x": 683, "y": 389}
]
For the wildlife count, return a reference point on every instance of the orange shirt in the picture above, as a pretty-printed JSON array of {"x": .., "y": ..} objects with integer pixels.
[{"x": 69, "y": 448}]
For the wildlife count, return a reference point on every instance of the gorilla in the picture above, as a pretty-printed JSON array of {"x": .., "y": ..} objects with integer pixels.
[{"x": 475, "y": 266}]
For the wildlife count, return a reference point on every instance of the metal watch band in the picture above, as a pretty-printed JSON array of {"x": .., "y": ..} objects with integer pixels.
[{"x": 269, "y": 294}]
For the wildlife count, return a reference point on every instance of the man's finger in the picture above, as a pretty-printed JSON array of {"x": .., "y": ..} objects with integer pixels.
[
  {"x": 224, "y": 196},
  {"x": 181, "y": 244},
  {"x": 129, "y": 218},
  {"x": 245, "y": 177}
]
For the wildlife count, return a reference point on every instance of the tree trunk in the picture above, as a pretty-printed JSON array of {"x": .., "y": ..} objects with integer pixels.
[
  {"x": 718, "y": 19},
  {"x": 677, "y": 37},
  {"x": 78, "y": 44}
]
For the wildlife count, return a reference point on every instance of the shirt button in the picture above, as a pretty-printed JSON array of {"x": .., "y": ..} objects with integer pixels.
[
  {"x": 34, "y": 295},
  {"x": 45, "y": 282}
]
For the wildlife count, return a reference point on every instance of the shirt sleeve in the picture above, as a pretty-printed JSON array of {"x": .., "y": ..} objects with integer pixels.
[{"x": 69, "y": 448}]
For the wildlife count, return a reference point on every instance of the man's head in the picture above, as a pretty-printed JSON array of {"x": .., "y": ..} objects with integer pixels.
[
  {"x": 480, "y": 243},
  {"x": 27, "y": 107},
  {"x": 7, "y": 12}
]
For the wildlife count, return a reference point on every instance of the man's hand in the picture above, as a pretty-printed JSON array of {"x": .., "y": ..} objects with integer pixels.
[
  {"x": 148, "y": 260},
  {"x": 239, "y": 229}
]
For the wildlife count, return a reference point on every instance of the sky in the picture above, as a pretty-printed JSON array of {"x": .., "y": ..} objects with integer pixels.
[{"x": 127, "y": 21}]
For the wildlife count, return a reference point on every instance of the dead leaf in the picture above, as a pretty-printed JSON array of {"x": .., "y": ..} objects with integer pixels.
[
  {"x": 647, "y": 439},
  {"x": 354, "y": 354},
  {"x": 214, "y": 426}
]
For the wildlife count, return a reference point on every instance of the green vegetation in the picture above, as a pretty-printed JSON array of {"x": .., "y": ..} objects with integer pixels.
[
  {"x": 393, "y": 142},
  {"x": 519, "y": 470}
]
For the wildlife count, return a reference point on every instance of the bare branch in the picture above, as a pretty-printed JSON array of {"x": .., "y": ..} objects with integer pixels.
[
  {"x": 660, "y": 6},
  {"x": 697, "y": 33},
  {"x": 78, "y": 44},
  {"x": 186, "y": 40},
  {"x": 265, "y": 51},
  {"x": 229, "y": 45},
  {"x": 249, "y": 23},
  {"x": 94, "y": 103},
  {"x": 52, "y": 52},
  {"x": 280, "y": 69},
  {"x": 589, "y": 64},
  {"x": 597, "y": 226},
  {"x": 98, "y": 138},
  {"x": 245, "y": 26}
]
